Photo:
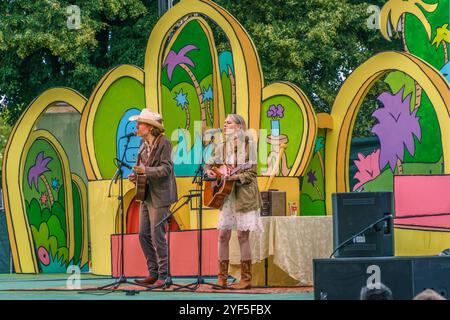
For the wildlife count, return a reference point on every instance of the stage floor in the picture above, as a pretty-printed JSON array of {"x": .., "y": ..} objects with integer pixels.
[{"x": 53, "y": 287}]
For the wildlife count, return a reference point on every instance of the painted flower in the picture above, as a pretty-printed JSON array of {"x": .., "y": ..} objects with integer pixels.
[
  {"x": 43, "y": 198},
  {"x": 275, "y": 111},
  {"x": 43, "y": 255}
]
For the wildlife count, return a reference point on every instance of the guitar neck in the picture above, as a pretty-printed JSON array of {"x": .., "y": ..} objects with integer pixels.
[{"x": 240, "y": 167}]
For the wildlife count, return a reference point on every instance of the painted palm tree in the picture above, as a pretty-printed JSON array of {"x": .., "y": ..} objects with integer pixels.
[
  {"x": 442, "y": 37},
  {"x": 226, "y": 65},
  {"x": 180, "y": 59},
  {"x": 37, "y": 171},
  {"x": 319, "y": 145},
  {"x": 368, "y": 168},
  {"x": 208, "y": 99},
  {"x": 396, "y": 128},
  {"x": 183, "y": 102},
  {"x": 392, "y": 16},
  {"x": 312, "y": 180}
]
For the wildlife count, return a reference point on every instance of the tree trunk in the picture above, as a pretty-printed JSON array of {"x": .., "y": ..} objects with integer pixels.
[
  {"x": 199, "y": 93},
  {"x": 402, "y": 31},
  {"x": 102, "y": 38},
  {"x": 322, "y": 165},
  {"x": 210, "y": 112},
  {"x": 49, "y": 190},
  {"x": 318, "y": 191},
  {"x": 233, "y": 90},
  {"x": 445, "y": 51},
  {"x": 399, "y": 167},
  {"x": 188, "y": 117},
  {"x": 418, "y": 95}
]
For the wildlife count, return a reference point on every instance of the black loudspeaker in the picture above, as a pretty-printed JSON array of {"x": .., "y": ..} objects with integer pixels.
[
  {"x": 343, "y": 278},
  {"x": 273, "y": 203},
  {"x": 355, "y": 211}
]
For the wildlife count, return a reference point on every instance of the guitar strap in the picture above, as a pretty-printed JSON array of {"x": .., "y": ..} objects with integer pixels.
[
  {"x": 150, "y": 154},
  {"x": 152, "y": 149},
  {"x": 236, "y": 157}
]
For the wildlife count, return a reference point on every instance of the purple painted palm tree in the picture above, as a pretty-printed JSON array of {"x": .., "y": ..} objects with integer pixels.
[
  {"x": 396, "y": 129},
  {"x": 312, "y": 180},
  {"x": 175, "y": 59},
  {"x": 180, "y": 59},
  {"x": 37, "y": 170}
]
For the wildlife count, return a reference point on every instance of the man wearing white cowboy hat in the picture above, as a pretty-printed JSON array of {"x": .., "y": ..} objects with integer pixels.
[{"x": 156, "y": 163}]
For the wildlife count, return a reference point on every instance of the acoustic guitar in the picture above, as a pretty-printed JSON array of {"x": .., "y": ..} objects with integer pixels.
[
  {"x": 142, "y": 187},
  {"x": 141, "y": 184},
  {"x": 217, "y": 190}
]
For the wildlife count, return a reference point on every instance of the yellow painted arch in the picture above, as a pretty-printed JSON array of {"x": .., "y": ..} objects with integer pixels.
[
  {"x": 249, "y": 80},
  {"x": 350, "y": 97},
  {"x": 88, "y": 115},
  {"x": 18, "y": 228},
  {"x": 65, "y": 166},
  {"x": 219, "y": 110},
  {"x": 82, "y": 189},
  {"x": 306, "y": 147}
]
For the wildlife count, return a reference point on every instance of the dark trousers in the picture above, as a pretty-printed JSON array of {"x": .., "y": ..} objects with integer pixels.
[{"x": 153, "y": 240}]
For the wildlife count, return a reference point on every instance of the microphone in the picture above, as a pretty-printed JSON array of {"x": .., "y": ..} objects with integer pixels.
[
  {"x": 210, "y": 134},
  {"x": 129, "y": 135},
  {"x": 121, "y": 163}
]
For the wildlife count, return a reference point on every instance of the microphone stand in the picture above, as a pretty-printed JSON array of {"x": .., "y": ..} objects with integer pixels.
[
  {"x": 119, "y": 176},
  {"x": 198, "y": 179},
  {"x": 372, "y": 225}
]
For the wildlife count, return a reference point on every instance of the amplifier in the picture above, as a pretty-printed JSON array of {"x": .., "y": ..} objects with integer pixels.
[
  {"x": 273, "y": 203},
  {"x": 343, "y": 278}
]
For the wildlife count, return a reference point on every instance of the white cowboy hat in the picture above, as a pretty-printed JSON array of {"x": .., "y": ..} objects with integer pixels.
[{"x": 150, "y": 117}]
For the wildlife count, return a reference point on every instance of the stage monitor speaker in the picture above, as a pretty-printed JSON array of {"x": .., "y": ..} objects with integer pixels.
[
  {"x": 343, "y": 278},
  {"x": 273, "y": 203},
  {"x": 355, "y": 211}
]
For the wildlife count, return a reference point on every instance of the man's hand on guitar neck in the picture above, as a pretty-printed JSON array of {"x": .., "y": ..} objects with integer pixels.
[
  {"x": 132, "y": 177},
  {"x": 139, "y": 169}
]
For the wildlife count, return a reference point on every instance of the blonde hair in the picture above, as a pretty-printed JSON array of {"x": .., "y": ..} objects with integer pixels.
[{"x": 238, "y": 120}]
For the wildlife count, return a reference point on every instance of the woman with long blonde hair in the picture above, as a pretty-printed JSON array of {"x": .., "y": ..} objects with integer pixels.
[{"x": 241, "y": 209}]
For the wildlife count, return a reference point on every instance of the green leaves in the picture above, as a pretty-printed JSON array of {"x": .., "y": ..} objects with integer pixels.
[
  {"x": 314, "y": 44},
  {"x": 38, "y": 50}
]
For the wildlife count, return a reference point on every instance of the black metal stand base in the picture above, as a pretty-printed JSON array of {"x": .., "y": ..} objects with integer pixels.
[
  {"x": 195, "y": 285},
  {"x": 118, "y": 283}
]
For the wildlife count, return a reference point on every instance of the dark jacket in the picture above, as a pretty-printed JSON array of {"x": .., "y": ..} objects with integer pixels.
[{"x": 160, "y": 175}]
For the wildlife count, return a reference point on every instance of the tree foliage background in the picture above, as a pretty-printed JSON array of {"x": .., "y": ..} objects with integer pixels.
[{"x": 312, "y": 43}]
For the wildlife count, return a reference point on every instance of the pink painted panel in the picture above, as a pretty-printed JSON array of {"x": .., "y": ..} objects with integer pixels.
[
  {"x": 438, "y": 222},
  {"x": 183, "y": 247},
  {"x": 421, "y": 195}
]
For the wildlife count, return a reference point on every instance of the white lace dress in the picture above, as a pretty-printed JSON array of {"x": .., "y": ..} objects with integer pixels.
[{"x": 230, "y": 219}]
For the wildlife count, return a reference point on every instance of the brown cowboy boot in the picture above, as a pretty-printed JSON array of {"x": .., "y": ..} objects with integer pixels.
[
  {"x": 147, "y": 281},
  {"x": 222, "y": 277},
  {"x": 246, "y": 276}
]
